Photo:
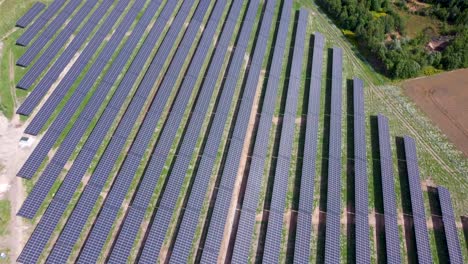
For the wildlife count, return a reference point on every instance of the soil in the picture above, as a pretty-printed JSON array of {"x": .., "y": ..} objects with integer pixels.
[
  {"x": 12, "y": 186},
  {"x": 443, "y": 98}
]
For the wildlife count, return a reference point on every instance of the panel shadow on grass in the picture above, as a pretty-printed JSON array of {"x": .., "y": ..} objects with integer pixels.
[
  {"x": 438, "y": 225},
  {"x": 410, "y": 238},
  {"x": 464, "y": 221},
  {"x": 377, "y": 194},
  {"x": 350, "y": 176}
]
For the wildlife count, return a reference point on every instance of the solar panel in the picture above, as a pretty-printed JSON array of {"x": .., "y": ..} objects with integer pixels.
[
  {"x": 62, "y": 37},
  {"x": 170, "y": 195},
  {"x": 332, "y": 232},
  {"x": 188, "y": 226},
  {"x": 392, "y": 239},
  {"x": 218, "y": 219},
  {"x": 44, "y": 85},
  {"x": 32, "y": 13},
  {"x": 33, "y": 74},
  {"x": 451, "y": 233},
  {"x": 417, "y": 202},
  {"x": 52, "y": 28},
  {"x": 280, "y": 185},
  {"x": 85, "y": 157},
  {"x": 360, "y": 175},
  {"x": 123, "y": 180},
  {"x": 306, "y": 192},
  {"x": 35, "y": 159},
  {"x": 40, "y": 22}
]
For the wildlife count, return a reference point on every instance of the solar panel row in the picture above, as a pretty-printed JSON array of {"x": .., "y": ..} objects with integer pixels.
[
  {"x": 76, "y": 69},
  {"x": 451, "y": 233},
  {"x": 187, "y": 228},
  {"x": 219, "y": 217},
  {"x": 116, "y": 196},
  {"x": 52, "y": 74},
  {"x": 306, "y": 192},
  {"x": 163, "y": 215},
  {"x": 245, "y": 228},
  {"x": 332, "y": 232},
  {"x": 54, "y": 26},
  {"x": 63, "y": 36},
  {"x": 34, "y": 161},
  {"x": 73, "y": 178},
  {"x": 392, "y": 240},
  {"x": 32, "y": 13},
  {"x": 131, "y": 224},
  {"x": 280, "y": 184},
  {"x": 361, "y": 198},
  {"x": 40, "y": 22},
  {"x": 41, "y": 118},
  {"x": 417, "y": 202}
]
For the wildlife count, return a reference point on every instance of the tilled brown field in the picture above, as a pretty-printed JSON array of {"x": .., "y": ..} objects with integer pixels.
[{"x": 444, "y": 98}]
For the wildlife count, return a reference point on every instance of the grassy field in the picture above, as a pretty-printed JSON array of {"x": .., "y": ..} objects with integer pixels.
[
  {"x": 416, "y": 24},
  {"x": 440, "y": 162},
  {"x": 5, "y": 216}
]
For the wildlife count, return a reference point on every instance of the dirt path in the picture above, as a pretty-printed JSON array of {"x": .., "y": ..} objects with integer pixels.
[
  {"x": 11, "y": 75},
  {"x": 13, "y": 30},
  {"x": 298, "y": 120},
  {"x": 12, "y": 186}
]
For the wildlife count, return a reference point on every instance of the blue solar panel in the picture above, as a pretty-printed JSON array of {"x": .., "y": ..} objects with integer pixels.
[
  {"x": 33, "y": 162},
  {"x": 52, "y": 28},
  {"x": 218, "y": 219},
  {"x": 417, "y": 202},
  {"x": 332, "y": 232},
  {"x": 163, "y": 217},
  {"x": 46, "y": 82},
  {"x": 32, "y": 13},
  {"x": 306, "y": 198},
  {"x": 30, "y": 77},
  {"x": 40, "y": 22},
  {"x": 189, "y": 221},
  {"x": 392, "y": 239},
  {"x": 360, "y": 175},
  {"x": 63, "y": 36},
  {"x": 280, "y": 185},
  {"x": 124, "y": 178},
  {"x": 451, "y": 233},
  {"x": 81, "y": 164}
]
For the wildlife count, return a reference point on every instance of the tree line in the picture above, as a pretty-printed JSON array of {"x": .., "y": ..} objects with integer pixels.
[{"x": 380, "y": 31}]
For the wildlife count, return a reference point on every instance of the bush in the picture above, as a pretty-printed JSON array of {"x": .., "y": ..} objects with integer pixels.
[{"x": 430, "y": 70}]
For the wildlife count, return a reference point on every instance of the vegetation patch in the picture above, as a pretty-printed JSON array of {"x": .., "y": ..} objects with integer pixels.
[{"x": 5, "y": 216}]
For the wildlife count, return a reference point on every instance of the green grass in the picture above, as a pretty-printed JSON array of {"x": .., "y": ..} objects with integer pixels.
[
  {"x": 5, "y": 215},
  {"x": 415, "y": 24},
  {"x": 377, "y": 15}
]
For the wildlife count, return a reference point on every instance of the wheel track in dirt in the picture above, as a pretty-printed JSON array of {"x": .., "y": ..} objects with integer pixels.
[{"x": 430, "y": 94}]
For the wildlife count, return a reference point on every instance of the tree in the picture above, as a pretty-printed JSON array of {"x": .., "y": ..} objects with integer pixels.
[
  {"x": 407, "y": 68},
  {"x": 375, "y": 5}
]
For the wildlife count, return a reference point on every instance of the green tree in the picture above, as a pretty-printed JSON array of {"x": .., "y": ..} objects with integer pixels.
[{"x": 407, "y": 68}]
